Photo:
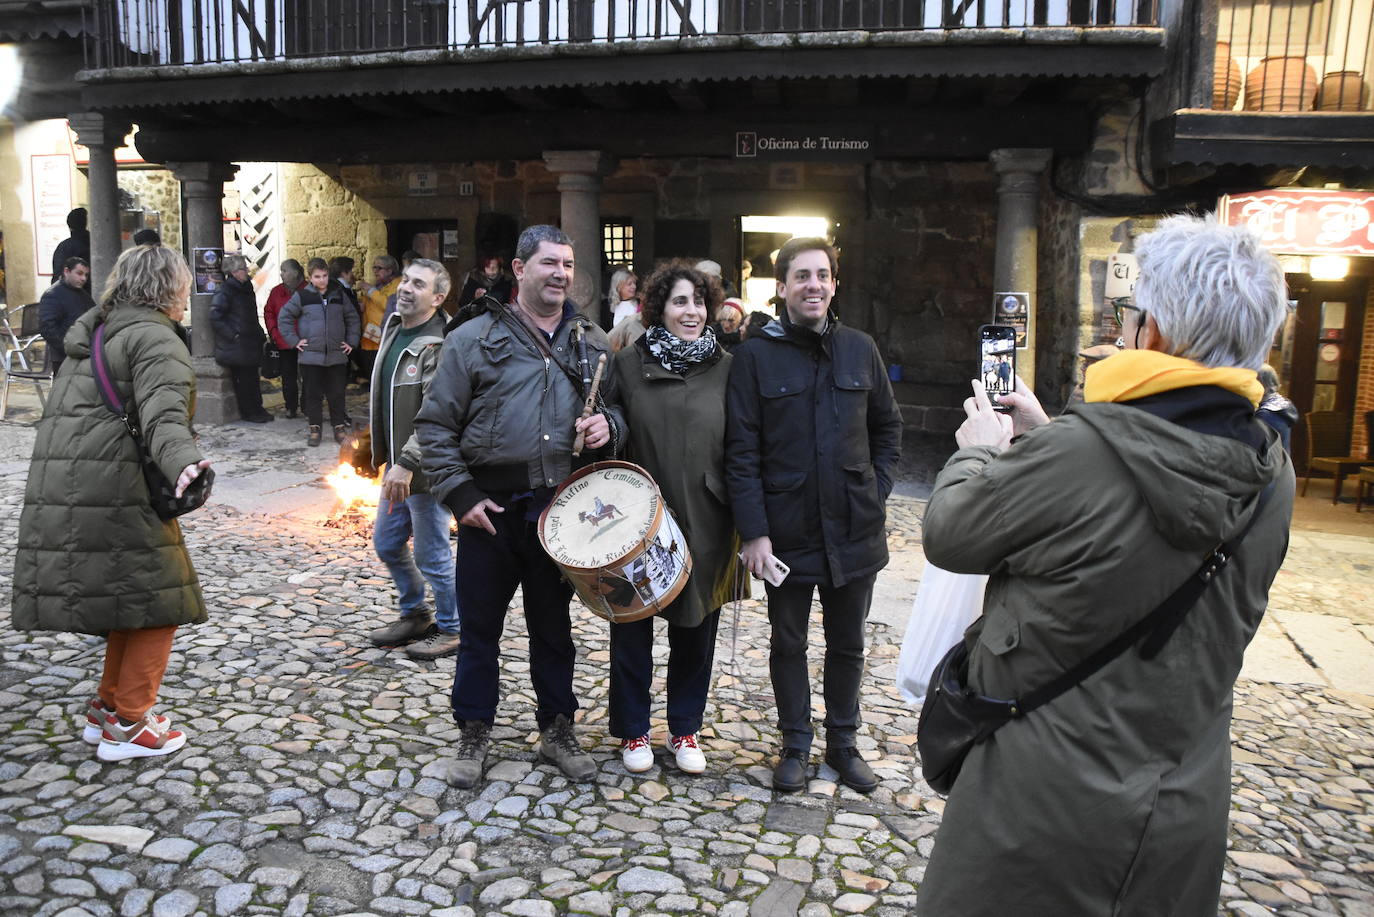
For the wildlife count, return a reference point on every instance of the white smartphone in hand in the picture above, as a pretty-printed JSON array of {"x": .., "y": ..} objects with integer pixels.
[{"x": 774, "y": 570}]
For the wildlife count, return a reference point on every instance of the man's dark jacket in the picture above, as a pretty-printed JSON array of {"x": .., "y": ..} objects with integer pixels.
[
  {"x": 234, "y": 316},
  {"x": 77, "y": 245},
  {"x": 812, "y": 444},
  {"x": 58, "y": 310}
]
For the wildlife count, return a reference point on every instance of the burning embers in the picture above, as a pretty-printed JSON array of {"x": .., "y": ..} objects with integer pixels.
[{"x": 358, "y": 486}]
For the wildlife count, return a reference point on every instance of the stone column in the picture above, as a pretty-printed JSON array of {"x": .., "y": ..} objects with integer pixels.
[
  {"x": 1018, "y": 219},
  {"x": 579, "y": 186},
  {"x": 202, "y": 186},
  {"x": 102, "y": 135}
]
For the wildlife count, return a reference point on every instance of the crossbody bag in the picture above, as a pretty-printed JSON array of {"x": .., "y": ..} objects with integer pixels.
[{"x": 954, "y": 717}]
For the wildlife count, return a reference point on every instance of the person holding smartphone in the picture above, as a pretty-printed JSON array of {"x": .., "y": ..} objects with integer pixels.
[
  {"x": 812, "y": 443},
  {"x": 1113, "y": 798},
  {"x": 672, "y": 387}
]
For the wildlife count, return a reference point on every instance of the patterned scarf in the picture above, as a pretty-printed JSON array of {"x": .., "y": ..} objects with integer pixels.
[{"x": 677, "y": 355}]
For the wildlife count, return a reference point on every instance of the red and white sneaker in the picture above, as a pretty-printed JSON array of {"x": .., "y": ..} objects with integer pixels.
[
  {"x": 96, "y": 711},
  {"x": 636, "y": 754},
  {"x": 690, "y": 759},
  {"x": 145, "y": 739}
]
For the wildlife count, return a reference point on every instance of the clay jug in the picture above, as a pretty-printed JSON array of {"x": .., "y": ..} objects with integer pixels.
[
  {"x": 1281, "y": 84},
  {"x": 1225, "y": 79},
  {"x": 1343, "y": 90}
]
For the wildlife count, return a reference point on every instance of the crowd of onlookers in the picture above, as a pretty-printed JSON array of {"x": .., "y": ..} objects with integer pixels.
[{"x": 324, "y": 323}]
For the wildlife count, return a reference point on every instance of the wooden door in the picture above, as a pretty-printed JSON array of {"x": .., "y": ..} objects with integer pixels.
[{"x": 1324, "y": 349}]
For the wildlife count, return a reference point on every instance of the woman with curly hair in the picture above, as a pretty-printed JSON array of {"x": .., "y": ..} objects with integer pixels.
[{"x": 672, "y": 385}]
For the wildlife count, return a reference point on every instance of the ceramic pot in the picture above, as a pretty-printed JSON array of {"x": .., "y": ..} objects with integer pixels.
[{"x": 1281, "y": 84}]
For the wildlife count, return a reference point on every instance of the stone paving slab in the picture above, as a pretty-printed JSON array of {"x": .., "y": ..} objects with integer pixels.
[
  {"x": 309, "y": 782},
  {"x": 1341, "y": 650}
]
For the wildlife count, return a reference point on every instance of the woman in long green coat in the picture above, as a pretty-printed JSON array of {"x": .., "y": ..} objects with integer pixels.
[
  {"x": 93, "y": 556},
  {"x": 672, "y": 385}
]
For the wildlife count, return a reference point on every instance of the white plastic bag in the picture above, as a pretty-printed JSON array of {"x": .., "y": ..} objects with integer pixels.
[{"x": 946, "y": 604}]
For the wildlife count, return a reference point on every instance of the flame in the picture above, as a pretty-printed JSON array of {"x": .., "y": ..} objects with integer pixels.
[{"x": 354, "y": 490}]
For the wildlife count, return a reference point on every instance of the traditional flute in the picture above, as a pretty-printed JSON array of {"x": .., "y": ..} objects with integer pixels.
[{"x": 590, "y": 405}]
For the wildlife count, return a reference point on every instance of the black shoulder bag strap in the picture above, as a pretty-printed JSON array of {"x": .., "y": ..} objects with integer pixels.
[{"x": 1159, "y": 624}]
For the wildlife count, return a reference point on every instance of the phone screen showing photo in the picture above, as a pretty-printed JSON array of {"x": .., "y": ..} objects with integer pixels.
[{"x": 998, "y": 361}]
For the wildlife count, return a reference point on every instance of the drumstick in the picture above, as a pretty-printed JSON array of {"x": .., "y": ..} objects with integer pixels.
[{"x": 590, "y": 404}]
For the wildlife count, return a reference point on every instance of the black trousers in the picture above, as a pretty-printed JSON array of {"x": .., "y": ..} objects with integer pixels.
[
  {"x": 691, "y": 651},
  {"x": 320, "y": 383},
  {"x": 489, "y": 569},
  {"x": 844, "y": 612},
  {"x": 290, "y": 385},
  {"x": 246, "y": 390}
]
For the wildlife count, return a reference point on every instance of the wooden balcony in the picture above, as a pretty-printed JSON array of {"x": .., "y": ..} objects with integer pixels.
[{"x": 161, "y": 33}]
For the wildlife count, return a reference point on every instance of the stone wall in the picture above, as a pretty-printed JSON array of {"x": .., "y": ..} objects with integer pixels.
[{"x": 157, "y": 190}]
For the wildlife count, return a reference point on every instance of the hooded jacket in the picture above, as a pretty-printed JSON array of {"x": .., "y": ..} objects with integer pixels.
[
  {"x": 234, "y": 318},
  {"x": 92, "y": 555},
  {"x": 1113, "y": 798},
  {"x": 324, "y": 322},
  {"x": 812, "y": 444}
]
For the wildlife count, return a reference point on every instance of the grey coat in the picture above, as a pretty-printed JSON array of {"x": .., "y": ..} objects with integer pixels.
[
  {"x": 324, "y": 322},
  {"x": 92, "y": 555},
  {"x": 1112, "y": 799}
]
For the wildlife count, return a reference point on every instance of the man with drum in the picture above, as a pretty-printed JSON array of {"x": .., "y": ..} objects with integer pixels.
[
  {"x": 496, "y": 433},
  {"x": 812, "y": 441}
]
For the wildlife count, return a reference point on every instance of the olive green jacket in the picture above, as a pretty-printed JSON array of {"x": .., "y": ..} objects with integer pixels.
[
  {"x": 677, "y": 434},
  {"x": 1113, "y": 798},
  {"x": 92, "y": 555}
]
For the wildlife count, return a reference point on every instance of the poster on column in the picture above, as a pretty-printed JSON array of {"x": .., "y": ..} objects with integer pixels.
[
  {"x": 52, "y": 200},
  {"x": 1013, "y": 309},
  {"x": 209, "y": 269}
]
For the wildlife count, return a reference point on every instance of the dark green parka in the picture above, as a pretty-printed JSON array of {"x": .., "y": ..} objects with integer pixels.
[
  {"x": 1113, "y": 798},
  {"x": 93, "y": 556},
  {"x": 677, "y": 434}
]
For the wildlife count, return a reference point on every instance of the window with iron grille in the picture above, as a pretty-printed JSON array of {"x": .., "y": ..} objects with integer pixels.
[{"x": 618, "y": 241}]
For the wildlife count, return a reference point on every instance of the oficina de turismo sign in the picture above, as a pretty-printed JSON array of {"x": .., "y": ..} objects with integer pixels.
[
  {"x": 789, "y": 144},
  {"x": 1305, "y": 221}
]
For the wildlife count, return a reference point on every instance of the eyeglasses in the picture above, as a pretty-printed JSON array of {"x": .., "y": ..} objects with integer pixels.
[{"x": 1119, "y": 307}]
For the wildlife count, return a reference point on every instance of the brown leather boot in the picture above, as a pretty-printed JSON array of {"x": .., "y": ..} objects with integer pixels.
[
  {"x": 313, "y": 439},
  {"x": 341, "y": 432}
]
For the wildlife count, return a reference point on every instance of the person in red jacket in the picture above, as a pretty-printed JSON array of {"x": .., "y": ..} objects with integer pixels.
[{"x": 292, "y": 279}]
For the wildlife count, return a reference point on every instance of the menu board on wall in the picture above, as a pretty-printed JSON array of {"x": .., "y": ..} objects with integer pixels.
[{"x": 51, "y": 175}]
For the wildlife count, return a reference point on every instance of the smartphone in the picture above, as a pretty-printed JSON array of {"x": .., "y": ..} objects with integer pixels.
[
  {"x": 997, "y": 361},
  {"x": 774, "y": 570}
]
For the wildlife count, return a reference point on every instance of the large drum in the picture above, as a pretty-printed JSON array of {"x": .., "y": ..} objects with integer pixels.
[{"x": 610, "y": 532}]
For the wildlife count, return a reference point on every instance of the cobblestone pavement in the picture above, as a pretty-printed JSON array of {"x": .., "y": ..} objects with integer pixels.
[{"x": 309, "y": 783}]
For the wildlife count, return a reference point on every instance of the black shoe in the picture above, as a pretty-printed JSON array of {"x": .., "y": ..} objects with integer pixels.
[
  {"x": 263, "y": 417},
  {"x": 790, "y": 774},
  {"x": 292, "y": 414},
  {"x": 313, "y": 437},
  {"x": 853, "y": 770}
]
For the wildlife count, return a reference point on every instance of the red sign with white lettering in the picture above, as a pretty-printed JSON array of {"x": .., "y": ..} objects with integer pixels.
[{"x": 1305, "y": 221}]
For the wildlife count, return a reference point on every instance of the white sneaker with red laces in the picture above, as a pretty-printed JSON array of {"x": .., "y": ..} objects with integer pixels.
[
  {"x": 636, "y": 754},
  {"x": 146, "y": 738},
  {"x": 96, "y": 711},
  {"x": 690, "y": 759}
]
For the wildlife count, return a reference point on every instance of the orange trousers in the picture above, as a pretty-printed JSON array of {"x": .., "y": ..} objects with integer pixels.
[{"x": 135, "y": 661}]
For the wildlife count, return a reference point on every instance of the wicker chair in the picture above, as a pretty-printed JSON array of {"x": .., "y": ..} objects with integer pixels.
[{"x": 1328, "y": 447}]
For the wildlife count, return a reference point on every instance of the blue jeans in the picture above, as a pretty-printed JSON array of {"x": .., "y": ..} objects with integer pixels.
[{"x": 425, "y": 518}]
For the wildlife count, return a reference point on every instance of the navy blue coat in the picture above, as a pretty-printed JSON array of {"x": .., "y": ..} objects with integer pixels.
[{"x": 812, "y": 442}]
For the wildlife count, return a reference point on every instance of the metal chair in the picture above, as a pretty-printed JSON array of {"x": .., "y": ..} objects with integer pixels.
[
  {"x": 25, "y": 364},
  {"x": 1328, "y": 447}
]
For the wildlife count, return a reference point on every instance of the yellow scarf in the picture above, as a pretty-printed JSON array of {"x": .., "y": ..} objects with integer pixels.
[{"x": 1133, "y": 374}]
